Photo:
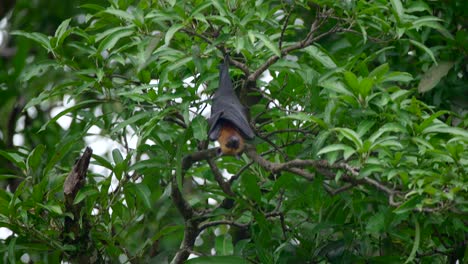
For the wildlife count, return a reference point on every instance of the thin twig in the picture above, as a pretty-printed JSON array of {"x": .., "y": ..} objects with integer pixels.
[
  {"x": 225, "y": 186},
  {"x": 283, "y": 30},
  {"x": 222, "y": 222}
]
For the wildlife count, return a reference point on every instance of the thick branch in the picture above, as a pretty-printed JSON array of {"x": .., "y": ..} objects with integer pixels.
[
  {"x": 78, "y": 225},
  {"x": 295, "y": 165},
  {"x": 191, "y": 230},
  {"x": 190, "y": 234},
  {"x": 76, "y": 178},
  {"x": 225, "y": 186},
  {"x": 179, "y": 201},
  {"x": 191, "y": 158},
  {"x": 223, "y": 222}
]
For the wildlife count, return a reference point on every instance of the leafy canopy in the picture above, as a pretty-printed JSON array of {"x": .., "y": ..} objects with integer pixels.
[{"x": 359, "y": 109}]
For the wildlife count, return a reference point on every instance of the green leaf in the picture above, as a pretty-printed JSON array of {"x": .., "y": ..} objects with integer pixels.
[
  {"x": 307, "y": 118},
  {"x": 11, "y": 250},
  {"x": 379, "y": 71},
  {"x": 252, "y": 190},
  {"x": 148, "y": 164},
  {"x": 37, "y": 70},
  {"x": 177, "y": 158},
  {"x": 222, "y": 19},
  {"x": 199, "y": 127},
  {"x": 220, "y": 6},
  {"x": 365, "y": 86},
  {"x": 387, "y": 142},
  {"x": 166, "y": 231},
  {"x": 40, "y": 38},
  {"x": 52, "y": 208},
  {"x": 85, "y": 192},
  {"x": 446, "y": 129},
  {"x": 336, "y": 87},
  {"x": 109, "y": 42},
  {"x": 335, "y": 147},
  {"x": 62, "y": 148},
  {"x": 398, "y": 77},
  {"x": 389, "y": 127},
  {"x": 363, "y": 31},
  {"x": 102, "y": 161},
  {"x": 418, "y": 7},
  {"x": 68, "y": 110},
  {"x": 217, "y": 260},
  {"x": 398, "y": 9},
  {"x": 15, "y": 158},
  {"x": 430, "y": 120},
  {"x": 376, "y": 223},
  {"x": 93, "y": 7},
  {"x": 35, "y": 157},
  {"x": 417, "y": 238},
  {"x": 433, "y": 76},
  {"x": 142, "y": 192},
  {"x": 408, "y": 205},
  {"x": 321, "y": 57},
  {"x": 223, "y": 245},
  {"x": 170, "y": 33},
  {"x": 179, "y": 63},
  {"x": 268, "y": 43},
  {"x": 120, "y": 14},
  {"x": 62, "y": 31},
  {"x": 240, "y": 43},
  {"x": 400, "y": 94},
  {"x": 200, "y": 8},
  {"x": 352, "y": 81},
  {"x": 351, "y": 135},
  {"x": 424, "y": 21},
  {"x": 131, "y": 120},
  {"x": 424, "y": 48},
  {"x": 117, "y": 156},
  {"x": 364, "y": 126},
  {"x": 422, "y": 142}
]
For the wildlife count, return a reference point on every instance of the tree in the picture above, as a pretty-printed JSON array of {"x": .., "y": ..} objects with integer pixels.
[{"x": 359, "y": 110}]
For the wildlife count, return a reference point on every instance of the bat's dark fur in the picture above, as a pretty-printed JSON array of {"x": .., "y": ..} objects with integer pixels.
[{"x": 227, "y": 110}]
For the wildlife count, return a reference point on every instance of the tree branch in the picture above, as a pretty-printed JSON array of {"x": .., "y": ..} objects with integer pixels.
[
  {"x": 307, "y": 41},
  {"x": 223, "y": 222},
  {"x": 322, "y": 166},
  {"x": 225, "y": 186},
  {"x": 78, "y": 226},
  {"x": 191, "y": 229},
  {"x": 191, "y": 232}
]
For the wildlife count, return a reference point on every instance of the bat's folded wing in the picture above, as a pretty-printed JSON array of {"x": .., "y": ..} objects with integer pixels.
[
  {"x": 234, "y": 114},
  {"x": 215, "y": 126}
]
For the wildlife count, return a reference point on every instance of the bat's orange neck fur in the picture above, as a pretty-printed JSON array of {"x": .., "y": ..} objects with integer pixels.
[{"x": 230, "y": 140}]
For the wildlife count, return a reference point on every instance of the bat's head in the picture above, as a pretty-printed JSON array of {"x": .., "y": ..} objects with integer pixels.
[{"x": 230, "y": 140}]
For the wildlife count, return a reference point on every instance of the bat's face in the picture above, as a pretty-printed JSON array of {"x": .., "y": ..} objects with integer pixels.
[{"x": 230, "y": 140}]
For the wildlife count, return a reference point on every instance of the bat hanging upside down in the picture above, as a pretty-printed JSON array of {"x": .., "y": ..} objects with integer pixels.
[
  {"x": 228, "y": 121},
  {"x": 230, "y": 140}
]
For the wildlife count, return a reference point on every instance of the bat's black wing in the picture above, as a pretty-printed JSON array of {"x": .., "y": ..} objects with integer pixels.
[{"x": 226, "y": 106}]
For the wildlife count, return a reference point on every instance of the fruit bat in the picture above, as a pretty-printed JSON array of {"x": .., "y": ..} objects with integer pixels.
[{"x": 228, "y": 120}]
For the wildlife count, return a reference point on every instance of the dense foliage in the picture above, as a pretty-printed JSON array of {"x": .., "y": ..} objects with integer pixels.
[{"x": 359, "y": 108}]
